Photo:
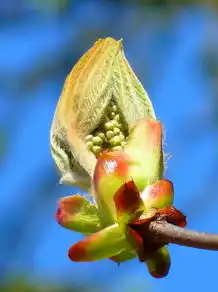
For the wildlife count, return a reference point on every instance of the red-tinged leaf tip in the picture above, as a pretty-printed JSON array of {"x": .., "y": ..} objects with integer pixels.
[
  {"x": 157, "y": 275},
  {"x": 111, "y": 163},
  {"x": 68, "y": 206},
  {"x": 79, "y": 252},
  {"x": 128, "y": 201},
  {"x": 154, "y": 129},
  {"x": 78, "y": 214},
  {"x": 147, "y": 133},
  {"x": 158, "y": 195}
]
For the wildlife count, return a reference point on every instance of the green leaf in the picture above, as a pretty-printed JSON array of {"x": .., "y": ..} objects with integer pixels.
[
  {"x": 144, "y": 148},
  {"x": 111, "y": 172},
  {"x": 124, "y": 256},
  {"x": 77, "y": 213},
  {"x": 104, "y": 244},
  {"x": 129, "y": 93}
]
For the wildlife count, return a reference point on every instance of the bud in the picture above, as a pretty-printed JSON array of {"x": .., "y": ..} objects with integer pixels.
[
  {"x": 101, "y": 101},
  {"x": 105, "y": 138},
  {"x": 127, "y": 199},
  {"x": 158, "y": 195},
  {"x": 140, "y": 161},
  {"x": 159, "y": 264}
]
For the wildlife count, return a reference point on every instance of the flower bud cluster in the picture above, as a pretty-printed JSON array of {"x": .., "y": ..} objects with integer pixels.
[{"x": 111, "y": 133}]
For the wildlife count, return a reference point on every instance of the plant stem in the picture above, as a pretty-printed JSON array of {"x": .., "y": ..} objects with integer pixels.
[{"x": 167, "y": 233}]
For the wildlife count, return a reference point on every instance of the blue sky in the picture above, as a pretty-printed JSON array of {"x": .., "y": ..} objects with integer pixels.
[{"x": 168, "y": 55}]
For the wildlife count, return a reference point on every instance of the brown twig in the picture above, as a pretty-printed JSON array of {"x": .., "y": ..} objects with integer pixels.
[{"x": 165, "y": 232}]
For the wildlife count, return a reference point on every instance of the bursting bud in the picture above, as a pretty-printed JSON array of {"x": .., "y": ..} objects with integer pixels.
[{"x": 101, "y": 101}]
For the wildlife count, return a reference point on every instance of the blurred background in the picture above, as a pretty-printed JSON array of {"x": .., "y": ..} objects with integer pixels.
[{"x": 173, "y": 48}]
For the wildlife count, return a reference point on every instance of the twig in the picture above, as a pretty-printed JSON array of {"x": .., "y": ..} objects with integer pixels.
[{"x": 167, "y": 233}]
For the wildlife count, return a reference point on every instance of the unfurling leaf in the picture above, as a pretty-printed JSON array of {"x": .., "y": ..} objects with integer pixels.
[
  {"x": 77, "y": 213},
  {"x": 101, "y": 101}
]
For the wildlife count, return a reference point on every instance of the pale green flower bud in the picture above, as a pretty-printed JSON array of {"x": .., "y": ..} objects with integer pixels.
[
  {"x": 101, "y": 135},
  {"x": 116, "y": 141},
  {"x": 110, "y": 125},
  {"x": 89, "y": 138},
  {"x": 109, "y": 134},
  {"x": 116, "y": 131},
  {"x": 117, "y": 118},
  {"x": 117, "y": 148},
  {"x": 112, "y": 115},
  {"x": 96, "y": 150},
  {"x": 97, "y": 141},
  {"x": 89, "y": 144}
]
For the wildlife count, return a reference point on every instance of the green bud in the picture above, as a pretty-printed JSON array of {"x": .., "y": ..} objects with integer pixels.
[
  {"x": 109, "y": 134},
  {"x": 96, "y": 150},
  {"x": 117, "y": 148},
  {"x": 97, "y": 141},
  {"x": 101, "y": 135},
  {"x": 116, "y": 131},
  {"x": 117, "y": 117},
  {"x": 114, "y": 108},
  {"x": 89, "y": 144},
  {"x": 112, "y": 115},
  {"x": 89, "y": 138},
  {"x": 116, "y": 140},
  {"x": 118, "y": 125},
  {"x": 109, "y": 125}
]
